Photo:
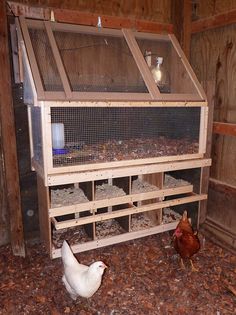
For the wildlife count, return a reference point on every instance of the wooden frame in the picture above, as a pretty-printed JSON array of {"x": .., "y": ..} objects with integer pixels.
[
  {"x": 49, "y": 215},
  {"x": 60, "y": 179},
  {"x": 50, "y": 171},
  {"x": 67, "y": 94},
  {"x": 127, "y": 211},
  {"x": 215, "y": 21},
  {"x": 91, "y": 205},
  {"x": 148, "y": 169}
]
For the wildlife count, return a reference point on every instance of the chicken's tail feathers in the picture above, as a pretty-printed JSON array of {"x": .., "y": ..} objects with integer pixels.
[{"x": 67, "y": 255}]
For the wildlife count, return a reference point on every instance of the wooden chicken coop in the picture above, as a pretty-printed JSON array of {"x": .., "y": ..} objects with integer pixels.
[{"x": 115, "y": 117}]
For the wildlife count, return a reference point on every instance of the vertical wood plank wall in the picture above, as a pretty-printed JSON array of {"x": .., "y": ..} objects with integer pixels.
[
  {"x": 150, "y": 10},
  {"x": 213, "y": 57}
]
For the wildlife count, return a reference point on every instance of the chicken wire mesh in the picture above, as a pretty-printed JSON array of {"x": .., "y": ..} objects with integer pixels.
[
  {"x": 170, "y": 75},
  {"x": 36, "y": 134},
  {"x": 93, "y": 63},
  {"x": 46, "y": 63},
  {"x": 100, "y": 63},
  {"x": 105, "y": 134}
]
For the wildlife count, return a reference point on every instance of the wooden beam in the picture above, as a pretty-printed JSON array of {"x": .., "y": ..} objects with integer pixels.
[
  {"x": 224, "y": 129},
  {"x": 33, "y": 62},
  {"x": 77, "y": 17},
  {"x": 142, "y": 65},
  {"x": 28, "y": 11},
  {"x": 219, "y": 20},
  {"x": 58, "y": 60},
  {"x": 186, "y": 36},
  {"x": 83, "y": 18},
  {"x": 181, "y": 16},
  {"x": 9, "y": 140},
  {"x": 205, "y": 171}
]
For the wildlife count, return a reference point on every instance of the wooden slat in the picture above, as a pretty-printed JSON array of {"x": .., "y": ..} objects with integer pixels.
[
  {"x": 203, "y": 129},
  {"x": 46, "y": 139},
  {"x": 205, "y": 171},
  {"x": 77, "y": 17},
  {"x": 57, "y": 58},
  {"x": 128, "y": 211},
  {"x": 78, "y": 248},
  {"x": 93, "y": 96},
  {"x": 9, "y": 141},
  {"x": 226, "y": 129},
  {"x": 219, "y": 20},
  {"x": 60, "y": 179},
  {"x": 33, "y": 63},
  {"x": 130, "y": 103},
  {"x": 142, "y": 65},
  {"x": 125, "y": 163},
  {"x": 119, "y": 200}
]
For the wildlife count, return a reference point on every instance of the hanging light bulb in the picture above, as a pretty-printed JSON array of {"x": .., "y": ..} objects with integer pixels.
[{"x": 157, "y": 71}]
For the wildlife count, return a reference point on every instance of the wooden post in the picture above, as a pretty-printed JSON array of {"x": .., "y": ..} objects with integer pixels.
[
  {"x": 9, "y": 140},
  {"x": 181, "y": 18},
  {"x": 205, "y": 171}
]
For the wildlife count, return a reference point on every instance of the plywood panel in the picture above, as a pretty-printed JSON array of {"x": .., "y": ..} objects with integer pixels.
[
  {"x": 217, "y": 51},
  {"x": 206, "y": 8},
  {"x": 221, "y": 199},
  {"x": 147, "y": 9},
  {"x": 224, "y": 159},
  {"x": 214, "y": 59}
]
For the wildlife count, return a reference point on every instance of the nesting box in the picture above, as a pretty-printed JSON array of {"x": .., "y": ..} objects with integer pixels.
[{"x": 110, "y": 113}]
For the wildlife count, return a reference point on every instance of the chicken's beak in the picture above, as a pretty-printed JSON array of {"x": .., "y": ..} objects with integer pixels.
[{"x": 105, "y": 266}]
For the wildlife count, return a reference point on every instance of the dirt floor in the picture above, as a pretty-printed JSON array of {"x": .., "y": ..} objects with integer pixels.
[{"x": 143, "y": 277}]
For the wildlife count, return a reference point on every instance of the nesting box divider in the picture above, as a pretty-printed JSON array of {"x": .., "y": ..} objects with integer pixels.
[
  {"x": 124, "y": 184},
  {"x": 88, "y": 189},
  {"x": 155, "y": 179}
]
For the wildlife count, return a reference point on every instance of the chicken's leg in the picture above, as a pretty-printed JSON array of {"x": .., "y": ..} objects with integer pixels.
[
  {"x": 182, "y": 264},
  {"x": 193, "y": 268}
]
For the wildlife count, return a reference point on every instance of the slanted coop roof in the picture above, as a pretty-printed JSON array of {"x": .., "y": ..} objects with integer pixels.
[{"x": 65, "y": 62}]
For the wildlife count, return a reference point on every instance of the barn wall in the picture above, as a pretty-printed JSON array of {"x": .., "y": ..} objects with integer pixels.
[
  {"x": 146, "y": 10},
  {"x": 213, "y": 57},
  {"x": 207, "y": 8}
]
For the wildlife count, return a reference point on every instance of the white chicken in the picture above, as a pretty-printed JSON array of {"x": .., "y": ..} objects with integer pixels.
[{"x": 80, "y": 280}]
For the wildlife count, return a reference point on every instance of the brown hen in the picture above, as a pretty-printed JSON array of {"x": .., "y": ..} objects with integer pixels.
[{"x": 186, "y": 241}]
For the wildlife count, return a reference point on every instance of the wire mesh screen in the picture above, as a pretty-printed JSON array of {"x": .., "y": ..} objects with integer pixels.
[
  {"x": 98, "y": 63},
  {"x": 166, "y": 66},
  {"x": 45, "y": 60},
  {"x": 36, "y": 134},
  {"x": 101, "y": 135}
]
